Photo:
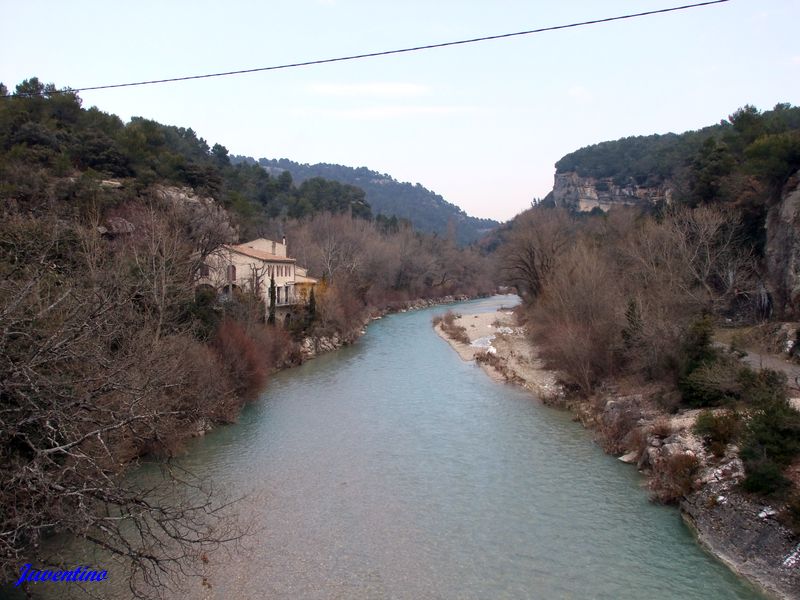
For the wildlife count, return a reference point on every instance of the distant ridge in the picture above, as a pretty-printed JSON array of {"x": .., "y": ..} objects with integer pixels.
[{"x": 426, "y": 210}]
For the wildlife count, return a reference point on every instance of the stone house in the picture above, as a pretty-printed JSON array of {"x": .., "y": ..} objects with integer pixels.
[{"x": 251, "y": 265}]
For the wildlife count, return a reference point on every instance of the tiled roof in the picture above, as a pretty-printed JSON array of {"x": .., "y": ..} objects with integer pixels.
[{"x": 259, "y": 254}]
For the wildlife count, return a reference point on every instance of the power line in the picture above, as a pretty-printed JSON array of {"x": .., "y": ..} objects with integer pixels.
[{"x": 382, "y": 53}]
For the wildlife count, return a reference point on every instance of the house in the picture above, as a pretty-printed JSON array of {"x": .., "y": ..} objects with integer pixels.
[{"x": 250, "y": 266}]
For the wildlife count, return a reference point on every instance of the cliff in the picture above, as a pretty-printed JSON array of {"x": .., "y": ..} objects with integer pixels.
[
  {"x": 585, "y": 193},
  {"x": 782, "y": 251}
]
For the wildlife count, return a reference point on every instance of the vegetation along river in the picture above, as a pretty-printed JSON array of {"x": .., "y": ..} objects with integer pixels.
[{"x": 392, "y": 469}]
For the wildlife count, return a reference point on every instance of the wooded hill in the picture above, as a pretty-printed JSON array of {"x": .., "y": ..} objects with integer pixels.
[
  {"x": 764, "y": 145},
  {"x": 425, "y": 209},
  {"x": 110, "y": 352}
]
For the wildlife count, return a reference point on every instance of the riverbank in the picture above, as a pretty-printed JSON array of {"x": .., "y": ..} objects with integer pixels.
[
  {"x": 742, "y": 532},
  {"x": 312, "y": 346}
]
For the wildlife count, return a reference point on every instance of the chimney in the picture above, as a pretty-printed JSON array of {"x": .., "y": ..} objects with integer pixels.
[
  {"x": 284, "y": 240},
  {"x": 273, "y": 247}
]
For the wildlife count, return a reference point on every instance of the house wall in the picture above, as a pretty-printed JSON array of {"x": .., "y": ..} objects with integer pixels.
[
  {"x": 249, "y": 273},
  {"x": 253, "y": 272}
]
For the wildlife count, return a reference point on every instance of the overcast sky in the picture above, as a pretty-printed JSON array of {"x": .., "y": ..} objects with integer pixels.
[{"x": 482, "y": 125}]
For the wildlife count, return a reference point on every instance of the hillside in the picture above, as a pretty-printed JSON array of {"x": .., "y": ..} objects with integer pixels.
[
  {"x": 113, "y": 348},
  {"x": 712, "y": 164},
  {"x": 426, "y": 210}
]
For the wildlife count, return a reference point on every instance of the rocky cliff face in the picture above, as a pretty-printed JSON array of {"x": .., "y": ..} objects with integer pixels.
[
  {"x": 586, "y": 193},
  {"x": 783, "y": 250}
]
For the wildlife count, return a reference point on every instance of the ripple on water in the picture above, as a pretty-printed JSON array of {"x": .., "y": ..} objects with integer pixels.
[{"x": 392, "y": 469}]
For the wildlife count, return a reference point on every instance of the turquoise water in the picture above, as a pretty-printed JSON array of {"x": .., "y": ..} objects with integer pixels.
[{"x": 392, "y": 469}]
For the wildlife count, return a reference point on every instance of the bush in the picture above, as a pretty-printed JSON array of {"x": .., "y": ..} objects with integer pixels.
[
  {"x": 772, "y": 435},
  {"x": 662, "y": 427},
  {"x": 243, "y": 360},
  {"x": 704, "y": 375},
  {"x": 762, "y": 387},
  {"x": 451, "y": 330},
  {"x": 712, "y": 383},
  {"x": 617, "y": 431},
  {"x": 577, "y": 320},
  {"x": 717, "y": 430},
  {"x": 773, "y": 432},
  {"x": 673, "y": 478},
  {"x": 764, "y": 477},
  {"x": 449, "y": 317}
]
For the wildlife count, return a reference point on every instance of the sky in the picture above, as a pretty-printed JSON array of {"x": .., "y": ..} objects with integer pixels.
[{"x": 480, "y": 124}]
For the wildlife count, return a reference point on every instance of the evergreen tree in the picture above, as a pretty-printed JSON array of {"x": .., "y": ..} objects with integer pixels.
[
  {"x": 312, "y": 306},
  {"x": 271, "y": 318}
]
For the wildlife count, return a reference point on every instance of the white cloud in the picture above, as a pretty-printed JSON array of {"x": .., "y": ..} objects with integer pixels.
[
  {"x": 376, "y": 113},
  {"x": 393, "y": 89}
]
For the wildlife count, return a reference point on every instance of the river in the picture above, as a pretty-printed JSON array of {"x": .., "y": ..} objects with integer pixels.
[{"x": 392, "y": 469}]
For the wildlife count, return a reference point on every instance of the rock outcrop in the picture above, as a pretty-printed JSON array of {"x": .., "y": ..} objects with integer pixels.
[
  {"x": 746, "y": 535},
  {"x": 783, "y": 250},
  {"x": 570, "y": 190}
]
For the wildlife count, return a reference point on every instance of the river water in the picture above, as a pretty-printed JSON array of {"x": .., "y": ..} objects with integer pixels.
[{"x": 393, "y": 469}]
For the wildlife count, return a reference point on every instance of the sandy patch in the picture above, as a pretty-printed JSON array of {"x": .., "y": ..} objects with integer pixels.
[{"x": 497, "y": 333}]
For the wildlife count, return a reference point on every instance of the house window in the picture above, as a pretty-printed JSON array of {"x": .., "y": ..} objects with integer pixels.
[
  {"x": 231, "y": 273},
  {"x": 204, "y": 270},
  {"x": 278, "y": 295}
]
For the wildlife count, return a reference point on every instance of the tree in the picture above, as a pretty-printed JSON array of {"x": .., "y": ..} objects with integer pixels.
[
  {"x": 96, "y": 370},
  {"x": 538, "y": 237},
  {"x": 272, "y": 294},
  {"x": 220, "y": 154},
  {"x": 713, "y": 163},
  {"x": 312, "y": 305}
]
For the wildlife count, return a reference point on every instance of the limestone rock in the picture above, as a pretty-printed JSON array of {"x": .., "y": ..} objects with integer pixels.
[
  {"x": 783, "y": 249},
  {"x": 586, "y": 193}
]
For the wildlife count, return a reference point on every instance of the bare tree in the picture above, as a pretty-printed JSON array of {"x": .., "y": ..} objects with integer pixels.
[
  {"x": 537, "y": 239},
  {"x": 93, "y": 374}
]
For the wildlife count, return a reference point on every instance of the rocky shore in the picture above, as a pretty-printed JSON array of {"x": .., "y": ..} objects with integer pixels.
[{"x": 741, "y": 531}]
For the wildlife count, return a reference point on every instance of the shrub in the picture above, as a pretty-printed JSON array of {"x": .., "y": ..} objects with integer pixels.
[
  {"x": 451, "y": 330},
  {"x": 498, "y": 364},
  {"x": 717, "y": 430},
  {"x": 764, "y": 477},
  {"x": 762, "y": 387},
  {"x": 662, "y": 427},
  {"x": 449, "y": 317},
  {"x": 616, "y": 430},
  {"x": 577, "y": 320},
  {"x": 704, "y": 375},
  {"x": 773, "y": 431},
  {"x": 673, "y": 478},
  {"x": 712, "y": 383},
  {"x": 243, "y": 360},
  {"x": 772, "y": 434}
]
